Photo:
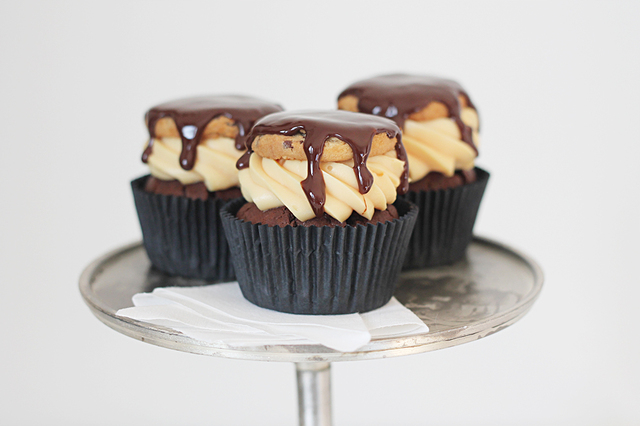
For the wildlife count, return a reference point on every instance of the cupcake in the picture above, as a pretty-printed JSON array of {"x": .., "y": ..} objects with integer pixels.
[
  {"x": 440, "y": 132},
  {"x": 318, "y": 232},
  {"x": 193, "y": 146}
]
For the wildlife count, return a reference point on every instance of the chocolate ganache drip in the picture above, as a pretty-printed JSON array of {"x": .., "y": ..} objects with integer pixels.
[
  {"x": 397, "y": 96},
  {"x": 192, "y": 115},
  {"x": 355, "y": 129}
]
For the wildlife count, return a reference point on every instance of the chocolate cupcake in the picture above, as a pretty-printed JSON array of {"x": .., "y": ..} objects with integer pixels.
[
  {"x": 440, "y": 132},
  {"x": 319, "y": 233},
  {"x": 193, "y": 147}
]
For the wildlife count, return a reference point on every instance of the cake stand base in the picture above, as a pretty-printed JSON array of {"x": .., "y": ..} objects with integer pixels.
[
  {"x": 488, "y": 290},
  {"x": 314, "y": 393}
]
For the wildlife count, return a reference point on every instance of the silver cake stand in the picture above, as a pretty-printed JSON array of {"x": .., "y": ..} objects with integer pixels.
[{"x": 489, "y": 290}]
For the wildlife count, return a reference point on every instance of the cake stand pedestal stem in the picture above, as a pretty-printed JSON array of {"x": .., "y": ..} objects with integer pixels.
[{"x": 314, "y": 393}]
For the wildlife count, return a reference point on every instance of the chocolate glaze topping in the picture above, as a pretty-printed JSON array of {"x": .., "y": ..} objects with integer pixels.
[
  {"x": 355, "y": 129},
  {"x": 397, "y": 96},
  {"x": 192, "y": 115}
]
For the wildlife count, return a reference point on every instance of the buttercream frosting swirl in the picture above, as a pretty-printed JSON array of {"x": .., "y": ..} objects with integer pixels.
[
  {"x": 215, "y": 163},
  {"x": 273, "y": 183},
  {"x": 437, "y": 146}
]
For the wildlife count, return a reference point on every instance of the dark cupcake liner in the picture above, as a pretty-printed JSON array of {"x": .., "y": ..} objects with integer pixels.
[
  {"x": 183, "y": 237},
  {"x": 444, "y": 226},
  {"x": 318, "y": 270}
]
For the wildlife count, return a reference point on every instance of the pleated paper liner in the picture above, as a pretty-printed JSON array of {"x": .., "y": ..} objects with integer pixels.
[
  {"x": 444, "y": 226},
  {"x": 318, "y": 270},
  {"x": 183, "y": 237}
]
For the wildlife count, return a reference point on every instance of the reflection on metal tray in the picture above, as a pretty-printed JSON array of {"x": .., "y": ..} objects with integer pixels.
[{"x": 489, "y": 290}]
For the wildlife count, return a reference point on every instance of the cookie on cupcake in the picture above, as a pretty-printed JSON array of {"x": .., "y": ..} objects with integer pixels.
[
  {"x": 319, "y": 233},
  {"x": 440, "y": 127},
  {"x": 194, "y": 144},
  {"x": 325, "y": 167}
]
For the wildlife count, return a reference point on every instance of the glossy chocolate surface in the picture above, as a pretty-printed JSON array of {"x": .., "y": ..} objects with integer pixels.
[
  {"x": 355, "y": 129},
  {"x": 397, "y": 96},
  {"x": 192, "y": 115}
]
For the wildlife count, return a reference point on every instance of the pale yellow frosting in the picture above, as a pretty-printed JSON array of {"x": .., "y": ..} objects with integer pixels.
[
  {"x": 215, "y": 163},
  {"x": 274, "y": 183},
  {"x": 437, "y": 146}
]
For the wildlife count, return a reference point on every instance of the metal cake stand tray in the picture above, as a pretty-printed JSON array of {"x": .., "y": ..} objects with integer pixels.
[{"x": 492, "y": 288}]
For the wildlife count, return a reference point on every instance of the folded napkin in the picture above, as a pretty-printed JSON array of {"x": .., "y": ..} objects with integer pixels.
[{"x": 219, "y": 313}]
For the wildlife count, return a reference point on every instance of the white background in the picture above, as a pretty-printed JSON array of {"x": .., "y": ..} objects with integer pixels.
[{"x": 557, "y": 88}]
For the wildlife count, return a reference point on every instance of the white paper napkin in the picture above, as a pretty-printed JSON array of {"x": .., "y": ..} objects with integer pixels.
[{"x": 219, "y": 313}]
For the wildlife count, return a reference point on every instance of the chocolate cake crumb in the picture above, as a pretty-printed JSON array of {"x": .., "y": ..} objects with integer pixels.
[
  {"x": 435, "y": 180},
  {"x": 195, "y": 191},
  {"x": 282, "y": 216}
]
